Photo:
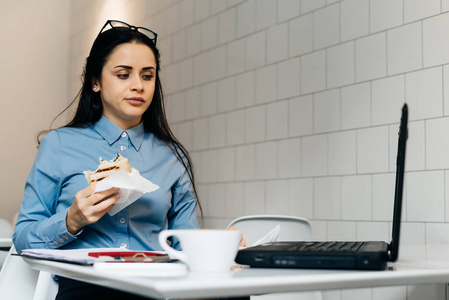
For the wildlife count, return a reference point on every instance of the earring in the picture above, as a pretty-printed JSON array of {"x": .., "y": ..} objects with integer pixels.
[{"x": 95, "y": 88}]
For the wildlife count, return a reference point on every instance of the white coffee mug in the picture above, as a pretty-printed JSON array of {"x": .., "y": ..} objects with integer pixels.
[{"x": 203, "y": 250}]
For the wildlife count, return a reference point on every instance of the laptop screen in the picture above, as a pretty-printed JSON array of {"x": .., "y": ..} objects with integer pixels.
[{"x": 400, "y": 165}]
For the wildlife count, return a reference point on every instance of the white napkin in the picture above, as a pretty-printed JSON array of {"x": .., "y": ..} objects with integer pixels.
[
  {"x": 272, "y": 236},
  {"x": 132, "y": 186}
]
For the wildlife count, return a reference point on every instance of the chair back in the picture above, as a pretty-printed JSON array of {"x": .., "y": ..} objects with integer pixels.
[
  {"x": 18, "y": 281},
  {"x": 6, "y": 229},
  {"x": 6, "y": 232},
  {"x": 255, "y": 227}
]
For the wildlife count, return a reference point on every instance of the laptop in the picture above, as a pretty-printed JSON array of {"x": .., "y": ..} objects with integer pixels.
[{"x": 355, "y": 255}]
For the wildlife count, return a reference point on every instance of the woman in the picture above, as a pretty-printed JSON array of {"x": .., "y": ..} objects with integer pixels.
[{"x": 120, "y": 110}]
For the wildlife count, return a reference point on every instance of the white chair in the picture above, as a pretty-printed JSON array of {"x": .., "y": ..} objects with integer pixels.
[
  {"x": 6, "y": 229},
  {"x": 6, "y": 232},
  {"x": 18, "y": 281},
  {"x": 292, "y": 229}
]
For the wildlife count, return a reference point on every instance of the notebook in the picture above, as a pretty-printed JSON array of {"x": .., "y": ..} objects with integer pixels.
[{"x": 355, "y": 255}]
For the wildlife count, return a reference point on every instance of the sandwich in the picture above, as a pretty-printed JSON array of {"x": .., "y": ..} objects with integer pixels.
[{"x": 108, "y": 167}]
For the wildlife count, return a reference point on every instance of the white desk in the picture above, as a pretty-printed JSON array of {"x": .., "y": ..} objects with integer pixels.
[{"x": 253, "y": 281}]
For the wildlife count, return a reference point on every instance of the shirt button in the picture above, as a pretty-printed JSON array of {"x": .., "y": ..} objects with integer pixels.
[
  {"x": 66, "y": 237},
  {"x": 123, "y": 245},
  {"x": 123, "y": 148},
  {"x": 122, "y": 220},
  {"x": 55, "y": 243},
  {"x": 61, "y": 240},
  {"x": 124, "y": 134}
]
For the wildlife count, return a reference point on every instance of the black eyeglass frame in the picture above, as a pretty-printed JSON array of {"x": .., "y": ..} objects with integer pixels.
[{"x": 142, "y": 30}]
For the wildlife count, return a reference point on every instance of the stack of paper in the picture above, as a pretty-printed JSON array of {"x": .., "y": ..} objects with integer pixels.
[{"x": 75, "y": 256}]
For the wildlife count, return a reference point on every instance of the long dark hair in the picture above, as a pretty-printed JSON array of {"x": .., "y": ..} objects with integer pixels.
[{"x": 90, "y": 107}]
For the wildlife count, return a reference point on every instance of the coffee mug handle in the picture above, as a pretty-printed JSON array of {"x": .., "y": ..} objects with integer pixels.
[{"x": 173, "y": 253}]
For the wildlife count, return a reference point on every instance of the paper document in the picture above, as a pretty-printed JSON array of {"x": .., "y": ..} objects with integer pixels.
[
  {"x": 272, "y": 236},
  {"x": 80, "y": 256}
]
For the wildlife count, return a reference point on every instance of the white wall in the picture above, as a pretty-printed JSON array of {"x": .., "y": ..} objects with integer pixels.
[
  {"x": 33, "y": 86},
  {"x": 293, "y": 106}
]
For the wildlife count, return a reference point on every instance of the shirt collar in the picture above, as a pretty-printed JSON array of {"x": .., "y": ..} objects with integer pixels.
[{"x": 111, "y": 132}]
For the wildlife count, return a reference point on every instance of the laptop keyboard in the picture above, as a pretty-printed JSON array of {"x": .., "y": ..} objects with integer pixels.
[{"x": 327, "y": 246}]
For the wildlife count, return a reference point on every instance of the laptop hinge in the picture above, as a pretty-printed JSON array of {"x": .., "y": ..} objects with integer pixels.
[{"x": 389, "y": 250}]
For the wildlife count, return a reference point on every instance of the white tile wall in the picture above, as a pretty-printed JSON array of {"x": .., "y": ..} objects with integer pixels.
[
  {"x": 314, "y": 156},
  {"x": 356, "y": 197},
  {"x": 235, "y": 59},
  {"x": 387, "y": 98},
  {"x": 217, "y": 63},
  {"x": 372, "y": 150},
  {"x": 293, "y": 106},
  {"x": 382, "y": 193},
  {"x": 371, "y": 57},
  {"x": 288, "y": 78},
  {"x": 235, "y": 121},
  {"x": 255, "y": 198},
  {"x": 327, "y": 200},
  {"x": 288, "y": 9},
  {"x": 326, "y": 29},
  {"x": 340, "y": 65},
  {"x": 265, "y": 14},
  {"x": 226, "y": 158},
  {"x": 277, "y": 120},
  {"x": 245, "y": 89},
  {"x": 227, "y": 26},
  {"x": 255, "y": 50},
  {"x": 217, "y": 130},
  {"x": 342, "y": 153},
  {"x": 255, "y": 124},
  {"x": 355, "y": 106},
  {"x": 208, "y": 96},
  {"x": 425, "y": 196},
  {"x": 266, "y": 84},
  {"x": 356, "y": 294},
  {"x": 342, "y": 230},
  {"x": 373, "y": 231},
  {"x": 245, "y": 163},
  {"x": 266, "y": 160},
  {"x": 424, "y": 92},
  {"x": 277, "y": 197},
  {"x": 301, "y": 35},
  {"x": 300, "y": 197},
  {"x": 226, "y": 94},
  {"x": 385, "y": 14},
  {"x": 289, "y": 158},
  {"x": 313, "y": 72},
  {"x": 444, "y": 5},
  {"x": 326, "y": 112},
  {"x": 277, "y": 48},
  {"x": 310, "y": 5},
  {"x": 435, "y": 46},
  {"x": 246, "y": 18},
  {"x": 354, "y": 25},
  {"x": 234, "y": 199},
  {"x": 390, "y": 293},
  {"x": 405, "y": 48},
  {"x": 436, "y": 146},
  {"x": 300, "y": 116}
]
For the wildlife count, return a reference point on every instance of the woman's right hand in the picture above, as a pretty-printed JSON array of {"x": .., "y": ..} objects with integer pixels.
[{"x": 88, "y": 209}]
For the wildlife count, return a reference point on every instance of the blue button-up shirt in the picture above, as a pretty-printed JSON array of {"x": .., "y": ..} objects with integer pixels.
[{"x": 57, "y": 175}]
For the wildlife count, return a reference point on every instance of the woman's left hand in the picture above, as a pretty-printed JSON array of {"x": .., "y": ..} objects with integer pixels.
[{"x": 242, "y": 240}]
